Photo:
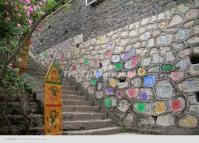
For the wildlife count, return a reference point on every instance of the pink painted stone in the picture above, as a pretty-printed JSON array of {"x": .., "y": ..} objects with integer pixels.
[
  {"x": 134, "y": 61},
  {"x": 176, "y": 75},
  {"x": 132, "y": 92}
]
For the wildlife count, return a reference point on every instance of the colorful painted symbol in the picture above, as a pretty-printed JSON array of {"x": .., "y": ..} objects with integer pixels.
[
  {"x": 167, "y": 67},
  {"x": 107, "y": 102},
  {"x": 131, "y": 74},
  {"x": 98, "y": 74},
  {"x": 149, "y": 81},
  {"x": 113, "y": 82},
  {"x": 176, "y": 75},
  {"x": 99, "y": 94},
  {"x": 93, "y": 82},
  {"x": 134, "y": 61},
  {"x": 119, "y": 93},
  {"x": 160, "y": 107},
  {"x": 108, "y": 54},
  {"x": 109, "y": 91},
  {"x": 143, "y": 96},
  {"x": 86, "y": 61},
  {"x": 176, "y": 105},
  {"x": 141, "y": 71},
  {"x": 118, "y": 66},
  {"x": 132, "y": 92},
  {"x": 128, "y": 55},
  {"x": 140, "y": 107}
]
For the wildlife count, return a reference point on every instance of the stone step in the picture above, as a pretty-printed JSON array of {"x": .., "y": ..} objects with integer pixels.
[
  {"x": 100, "y": 131},
  {"x": 72, "y": 116},
  {"x": 73, "y": 97},
  {"x": 68, "y": 87},
  {"x": 71, "y": 92},
  {"x": 76, "y": 102},
  {"x": 86, "y": 124},
  {"x": 80, "y": 108}
]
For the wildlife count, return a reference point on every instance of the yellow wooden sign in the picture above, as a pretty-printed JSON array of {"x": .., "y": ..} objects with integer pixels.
[{"x": 53, "y": 102}]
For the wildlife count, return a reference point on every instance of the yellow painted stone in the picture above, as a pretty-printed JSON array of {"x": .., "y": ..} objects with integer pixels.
[
  {"x": 188, "y": 121},
  {"x": 113, "y": 82},
  {"x": 100, "y": 40},
  {"x": 160, "y": 107},
  {"x": 141, "y": 71}
]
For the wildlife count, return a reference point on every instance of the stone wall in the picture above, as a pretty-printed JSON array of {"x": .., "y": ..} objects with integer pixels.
[
  {"x": 93, "y": 21},
  {"x": 145, "y": 74}
]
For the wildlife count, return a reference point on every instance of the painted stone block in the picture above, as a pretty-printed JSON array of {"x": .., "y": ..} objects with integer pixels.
[
  {"x": 115, "y": 58},
  {"x": 86, "y": 61},
  {"x": 164, "y": 89},
  {"x": 160, "y": 107},
  {"x": 132, "y": 92},
  {"x": 188, "y": 121},
  {"x": 124, "y": 105},
  {"x": 136, "y": 82},
  {"x": 131, "y": 74},
  {"x": 107, "y": 102},
  {"x": 113, "y": 82},
  {"x": 177, "y": 104},
  {"x": 194, "y": 108},
  {"x": 143, "y": 95},
  {"x": 118, "y": 49},
  {"x": 167, "y": 67},
  {"x": 146, "y": 61},
  {"x": 119, "y": 93},
  {"x": 149, "y": 81},
  {"x": 108, "y": 54},
  {"x": 110, "y": 45},
  {"x": 98, "y": 74},
  {"x": 141, "y": 71},
  {"x": 118, "y": 66},
  {"x": 93, "y": 82},
  {"x": 177, "y": 75},
  {"x": 132, "y": 63},
  {"x": 193, "y": 70},
  {"x": 99, "y": 94},
  {"x": 109, "y": 91},
  {"x": 189, "y": 85},
  {"x": 156, "y": 58},
  {"x": 140, "y": 107}
]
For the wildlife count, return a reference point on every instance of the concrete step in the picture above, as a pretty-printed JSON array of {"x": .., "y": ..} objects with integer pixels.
[
  {"x": 68, "y": 87},
  {"x": 80, "y": 108},
  {"x": 64, "y": 91},
  {"x": 77, "y": 102},
  {"x": 72, "y": 116},
  {"x": 86, "y": 124},
  {"x": 101, "y": 131},
  {"x": 73, "y": 97}
]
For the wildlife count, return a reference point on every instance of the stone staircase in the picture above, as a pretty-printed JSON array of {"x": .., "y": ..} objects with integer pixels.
[{"x": 80, "y": 117}]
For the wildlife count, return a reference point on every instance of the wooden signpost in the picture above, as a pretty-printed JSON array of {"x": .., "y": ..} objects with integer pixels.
[{"x": 53, "y": 102}]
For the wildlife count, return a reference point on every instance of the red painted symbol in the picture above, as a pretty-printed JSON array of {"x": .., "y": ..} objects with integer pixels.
[{"x": 176, "y": 105}]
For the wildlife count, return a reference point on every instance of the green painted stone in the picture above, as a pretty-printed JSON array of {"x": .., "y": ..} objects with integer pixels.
[
  {"x": 118, "y": 66},
  {"x": 140, "y": 107},
  {"x": 93, "y": 82},
  {"x": 107, "y": 102},
  {"x": 86, "y": 61},
  {"x": 167, "y": 67}
]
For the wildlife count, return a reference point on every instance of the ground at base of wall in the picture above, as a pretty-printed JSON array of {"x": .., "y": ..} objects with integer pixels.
[{"x": 165, "y": 131}]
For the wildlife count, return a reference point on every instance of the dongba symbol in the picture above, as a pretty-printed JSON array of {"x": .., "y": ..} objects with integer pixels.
[
  {"x": 54, "y": 91},
  {"x": 53, "y": 119}
]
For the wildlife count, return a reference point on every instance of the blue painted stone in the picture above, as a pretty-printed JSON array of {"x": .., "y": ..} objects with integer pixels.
[
  {"x": 143, "y": 96},
  {"x": 98, "y": 74},
  {"x": 149, "y": 81}
]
